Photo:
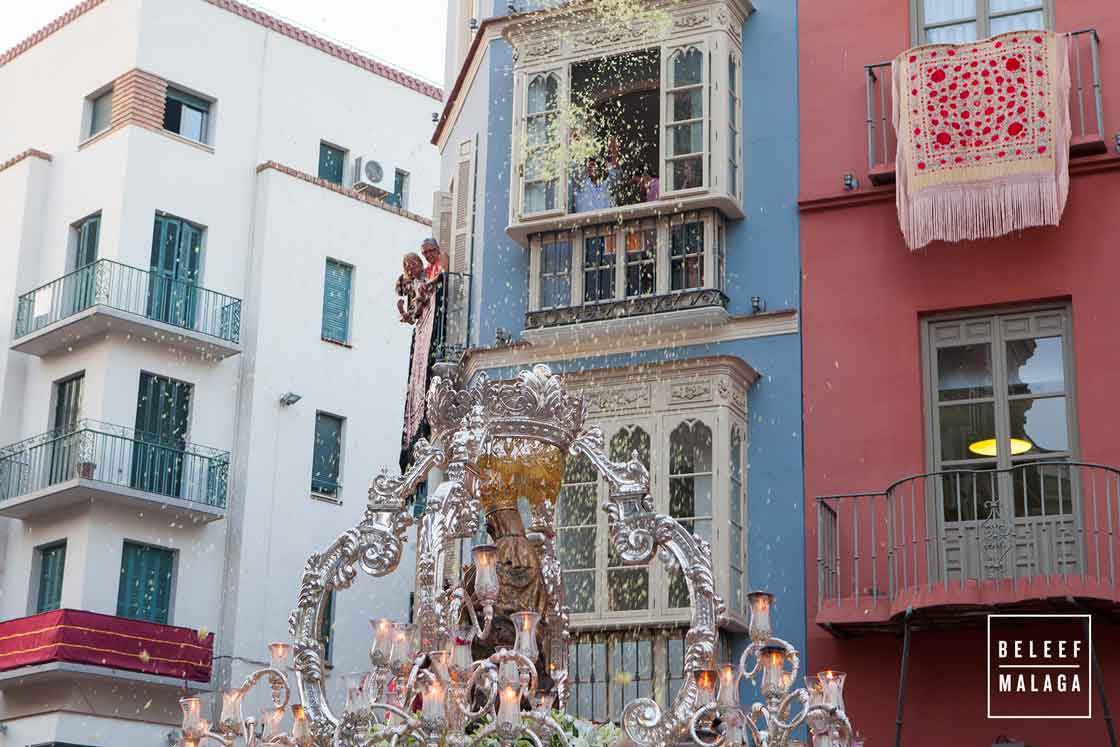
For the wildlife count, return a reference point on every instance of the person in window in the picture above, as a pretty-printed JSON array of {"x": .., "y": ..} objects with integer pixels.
[
  {"x": 649, "y": 185},
  {"x": 436, "y": 258},
  {"x": 691, "y": 176},
  {"x": 593, "y": 190},
  {"x": 411, "y": 289}
]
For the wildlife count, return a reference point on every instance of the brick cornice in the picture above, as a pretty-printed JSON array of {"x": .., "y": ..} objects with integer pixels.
[
  {"x": 29, "y": 153},
  {"x": 344, "y": 191},
  {"x": 64, "y": 19}
]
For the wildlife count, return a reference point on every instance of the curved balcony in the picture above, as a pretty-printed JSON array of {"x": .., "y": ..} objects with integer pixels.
[
  {"x": 962, "y": 543},
  {"x": 101, "y": 461},
  {"x": 105, "y": 295}
]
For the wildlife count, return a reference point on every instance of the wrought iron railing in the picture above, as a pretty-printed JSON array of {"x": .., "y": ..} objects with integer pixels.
[
  {"x": 957, "y": 528},
  {"x": 451, "y": 324},
  {"x": 146, "y": 293},
  {"x": 1086, "y": 110},
  {"x": 116, "y": 455},
  {"x": 696, "y": 298}
]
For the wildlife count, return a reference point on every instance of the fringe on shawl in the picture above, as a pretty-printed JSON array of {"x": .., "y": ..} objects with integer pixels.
[{"x": 978, "y": 210}]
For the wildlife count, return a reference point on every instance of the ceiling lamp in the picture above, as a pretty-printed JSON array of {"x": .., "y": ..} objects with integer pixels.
[{"x": 987, "y": 447}]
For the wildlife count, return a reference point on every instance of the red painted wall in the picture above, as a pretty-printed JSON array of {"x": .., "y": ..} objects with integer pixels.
[{"x": 863, "y": 297}]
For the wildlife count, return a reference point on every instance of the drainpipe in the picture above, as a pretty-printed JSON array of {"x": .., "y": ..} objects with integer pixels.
[{"x": 902, "y": 677}]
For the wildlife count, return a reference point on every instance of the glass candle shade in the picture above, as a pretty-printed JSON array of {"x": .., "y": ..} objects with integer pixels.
[
  {"x": 485, "y": 559},
  {"x": 382, "y": 647},
  {"x": 192, "y": 716},
  {"x": 434, "y": 708},
  {"x": 525, "y": 642},
  {"x": 402, "y": 646},
  {"x": 760, "y": 603},
  {"x": 773, "y": 661},
  {"x": 439, "y": 662},
  {"x": 462, "y": 658},
  {"x": 817, "y": 721},
  {"x": 230, "y": 720},
  {"x": 355, "y": 701},
  {"x": 271, "y": 719},
  {"x": 278, "y": 655},
  {"x": 509, "y": 707},
  {"x": 728, "y": 686},
  {"x": 705, "y": 686},
  {"x": 832, "y": 683},
  {"x": 509, "y": 675},
  {"x": 301, "y": 726},
  {"x": 545, "y": 700}
]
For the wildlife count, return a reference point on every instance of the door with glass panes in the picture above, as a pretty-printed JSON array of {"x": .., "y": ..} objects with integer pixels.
[
  {"x": 63, "y": 454},
  {"x": 80, "y": 286},
  {"x": 162, "y": 417},
  {"x": 173, "y": 280},
  {"x": 1002, "y": 413}
]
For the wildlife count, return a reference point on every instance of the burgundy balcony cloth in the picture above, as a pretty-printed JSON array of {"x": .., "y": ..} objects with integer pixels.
[{"x": 106, "y": 641}]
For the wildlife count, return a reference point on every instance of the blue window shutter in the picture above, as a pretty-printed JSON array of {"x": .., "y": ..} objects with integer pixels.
[
  {"x": 336, "y": 301},
  {"x": 327, "y": 454},
  {"x": 52, "y": 562},
  {"x": 332, "y": 163},
  {"x": 145, "y": 586}
]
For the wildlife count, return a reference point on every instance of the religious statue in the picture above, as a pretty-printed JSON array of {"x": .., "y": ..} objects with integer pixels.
[{"x": 412, "y": 289}]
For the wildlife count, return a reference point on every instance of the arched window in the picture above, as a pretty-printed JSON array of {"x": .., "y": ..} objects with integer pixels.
[
  {"x": 576, "y": 518},
  {"x": 627, "y": 587},
  {"x": 542, "y": 104},
  {"x": 690, "y": 491},
  {"x": 684, "y": 161}
]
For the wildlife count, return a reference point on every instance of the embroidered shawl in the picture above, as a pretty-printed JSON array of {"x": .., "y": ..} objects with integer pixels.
[{"x": 983, "y": 136}]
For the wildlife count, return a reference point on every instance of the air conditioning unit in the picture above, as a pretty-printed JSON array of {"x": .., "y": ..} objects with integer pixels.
[{"x": 370, "y": 176}]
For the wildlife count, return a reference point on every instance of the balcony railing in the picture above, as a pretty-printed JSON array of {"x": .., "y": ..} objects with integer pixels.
[
  {"x": 696, "y": 298},
  {"x": 145, "y": 293},
  {"x": 104, "y": 641},
  {"x": 451, "y": 327},
  {"x": 114, "y": 455},
  {"x": 973, "y": 538},
  {"x": 1086, "y": 111}
]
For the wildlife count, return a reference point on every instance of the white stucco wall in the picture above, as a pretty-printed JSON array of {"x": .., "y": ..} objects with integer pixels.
[{"x": 266, "y": 240}]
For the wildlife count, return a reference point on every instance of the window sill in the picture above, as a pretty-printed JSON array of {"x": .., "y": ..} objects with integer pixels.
[
  {"x": 187, "y": 141},
  {"x": 521, "y": 229},
  {"x": 339, "y": 343},
  {"x": 333, "y": 500}
]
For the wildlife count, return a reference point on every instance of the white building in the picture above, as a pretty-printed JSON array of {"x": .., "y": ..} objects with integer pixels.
[{"x": 183, "y": 241}]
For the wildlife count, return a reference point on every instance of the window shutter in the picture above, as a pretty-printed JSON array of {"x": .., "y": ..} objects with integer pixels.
[
  {"x": 441, "y": 219},
  {"x": 52, "y": 561},
  {"x": 145, "y": 587},
  {"x": 464, "y": 209},
  {"x": 336, "y": 302},
  {"x": 326, "y": 454}
]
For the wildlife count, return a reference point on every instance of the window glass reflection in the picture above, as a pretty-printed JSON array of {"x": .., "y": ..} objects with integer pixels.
[
  {"x": 1035, "y": 366},
  {"x": 964, "y": 372},
  {"x": 964, "y": 425},
  {"x": 1042, "y": 422}
]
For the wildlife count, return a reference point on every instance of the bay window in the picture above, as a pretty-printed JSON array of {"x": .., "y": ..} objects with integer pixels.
[
  {"x": 627, "y": 128},
  {"x": 633, "y": 263},
  {"x": 686, "y": 424}
]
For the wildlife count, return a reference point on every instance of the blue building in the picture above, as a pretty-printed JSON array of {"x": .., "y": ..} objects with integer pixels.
[{"x": 659, "y": 275}]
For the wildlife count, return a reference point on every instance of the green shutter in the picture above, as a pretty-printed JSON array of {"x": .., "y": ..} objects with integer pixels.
[
  {"x": 336, "y": 301},
  {"x": 332, "y": 163},
  {"x": 52, "y": 562},
  {"x": 325, "y": 459},
  {"x": 145, "y": 587},
  {"x": 88, "y": 234},
  {"x": 326, "y": 627}
]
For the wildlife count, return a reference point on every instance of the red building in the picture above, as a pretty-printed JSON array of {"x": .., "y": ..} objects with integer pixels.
[{"x": 967, "y": 365}]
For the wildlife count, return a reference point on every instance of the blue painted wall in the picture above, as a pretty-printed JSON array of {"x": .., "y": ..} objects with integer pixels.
[{"x": 763, "y": 260}]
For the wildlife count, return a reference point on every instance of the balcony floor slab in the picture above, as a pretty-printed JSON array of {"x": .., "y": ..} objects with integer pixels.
[
  {"x": 80, "y": 491},
  {"x": 59, "y": 671},
  {"x": 99, "y": 320}
]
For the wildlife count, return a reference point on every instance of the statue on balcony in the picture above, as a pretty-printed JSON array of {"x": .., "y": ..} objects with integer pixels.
[{"x": 410, "y": 289}]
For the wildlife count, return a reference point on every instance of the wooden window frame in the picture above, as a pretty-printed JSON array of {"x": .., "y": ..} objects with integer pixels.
[
  {"x": 668, "y": 52},
  {"x": 982, "y": 19},
  {"x": 349, "y": 336},
  {"x": 37, "y": 576},
  {"x": 201, "y": 104},
  {"x": 560, "y": 194},
  {"x": 336, "y": 495},
  {"x": 172, "y": 581},
  {"x": 714, "y": 261}
]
